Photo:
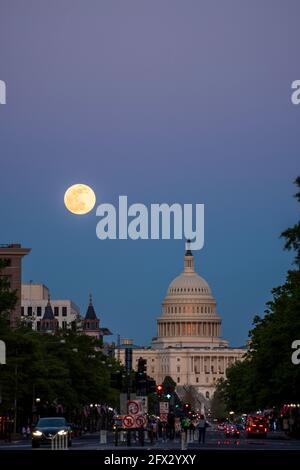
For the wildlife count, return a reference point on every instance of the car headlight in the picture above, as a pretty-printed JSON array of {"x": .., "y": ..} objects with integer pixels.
[
  {"x": 37, "y": 433},
  {"x": 63, "y": 432}
]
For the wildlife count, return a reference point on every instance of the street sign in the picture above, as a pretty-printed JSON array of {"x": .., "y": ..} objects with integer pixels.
[
  {"x": 163, "y": 407},
  {"x": 144, "y": 404},
  {"x": 140, "y": 421},
  {"x": 163, "y": 417},
  {"x": 128, "y": 422},
  {"x": 134, "y": 407}
]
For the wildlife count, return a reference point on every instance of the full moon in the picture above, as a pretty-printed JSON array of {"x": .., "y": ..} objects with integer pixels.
[{"x": 79, "y": 199}]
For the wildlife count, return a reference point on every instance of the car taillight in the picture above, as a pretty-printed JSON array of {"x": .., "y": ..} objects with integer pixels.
[{"x": 265, "y": 429}]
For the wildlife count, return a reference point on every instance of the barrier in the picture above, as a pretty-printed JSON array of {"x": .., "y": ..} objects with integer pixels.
[
  {"x": 103, "y": 437},
  {"x": 183, "y": 440}
]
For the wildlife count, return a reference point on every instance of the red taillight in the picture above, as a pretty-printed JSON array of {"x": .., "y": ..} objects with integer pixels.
[{"x": 265, "y": 429}]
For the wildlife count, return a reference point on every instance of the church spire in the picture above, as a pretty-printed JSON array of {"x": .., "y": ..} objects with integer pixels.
[{"x": 90, "y": 313}]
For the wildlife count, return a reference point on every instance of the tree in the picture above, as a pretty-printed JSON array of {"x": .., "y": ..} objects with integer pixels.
[
  {"x": 8, "y": 298},
  {"x": 268, "y": 377},
  {"x": 218, "y": 406}
]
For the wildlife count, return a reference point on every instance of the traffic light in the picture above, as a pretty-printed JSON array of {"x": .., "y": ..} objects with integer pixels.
[
  {"x": 142, "y": 365},
  {"x": 159, "y": 390},
  {"x": 116, "y": 380},
  {"x": 141, "y": 376},
  {"x": 151, "y": 385}
]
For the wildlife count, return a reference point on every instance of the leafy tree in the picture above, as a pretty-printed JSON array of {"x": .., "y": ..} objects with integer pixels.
[
  {"x": 8, "y": 298},
  {"x": 218, "y": 406},
  {"x": 268, "y": 377}
]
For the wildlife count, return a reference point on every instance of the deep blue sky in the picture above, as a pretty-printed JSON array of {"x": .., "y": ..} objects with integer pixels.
[{"x": 165, "y": 101}]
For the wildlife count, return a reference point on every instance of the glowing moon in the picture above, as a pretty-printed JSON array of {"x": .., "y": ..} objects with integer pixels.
[{"x": 79, "y": 199}]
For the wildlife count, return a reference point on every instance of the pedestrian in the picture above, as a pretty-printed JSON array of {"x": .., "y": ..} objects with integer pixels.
[
  {"x": 154, "y": 430},
  {"x": 141, "y": 435},
  {"x": 285, "y": 425},
  {"x": 150, "y": 430},
  {"x": 28, "y": 432},
  {"x": 171, "y": 425},
  {"x": 192, "y": 430},
  {"x": 201, "y": 426},
  {"x": 164, "y": 431},
  {"x": 24, "y": 433}
]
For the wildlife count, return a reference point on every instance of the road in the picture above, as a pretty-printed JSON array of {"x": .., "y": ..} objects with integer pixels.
[{"x": 214, "y": 440}]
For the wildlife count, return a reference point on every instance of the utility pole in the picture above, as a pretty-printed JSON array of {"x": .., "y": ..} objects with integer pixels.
[
  {"x": 15, "y": 397},
  {"x": 128, "y": 365}
]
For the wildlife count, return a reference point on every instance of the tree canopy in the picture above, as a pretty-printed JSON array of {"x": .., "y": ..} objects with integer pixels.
[{"x": 267, "y": 377}]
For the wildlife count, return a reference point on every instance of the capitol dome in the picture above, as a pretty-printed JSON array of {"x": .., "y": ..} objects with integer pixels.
[
  {"x": 190, "y": 284},
  {"x": 189, "y": 316}
]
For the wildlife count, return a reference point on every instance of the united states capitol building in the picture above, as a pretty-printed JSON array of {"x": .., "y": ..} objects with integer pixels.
[{"x": 188, "y": 347}]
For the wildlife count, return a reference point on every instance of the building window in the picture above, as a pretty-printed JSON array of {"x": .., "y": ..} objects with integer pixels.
[
  {"x": 29, "y": 311},
  {"x": 56, "y": 311},
  {"x": 207, "y": 394},
  {"x": 39, "y": 311},
  {"x": 152, "y": 360},
  {"x": 178, "y": 368},
  {"x": 197, "y": 380},
  {"x": 64, "y": 311},
  {"x": 178, "y": 359},
  {"x": 178, "y": 380},
  {"x": 22, "y": 311},
  {"x": 38, "y": 325},
  {"x": 64, "y": 325}
]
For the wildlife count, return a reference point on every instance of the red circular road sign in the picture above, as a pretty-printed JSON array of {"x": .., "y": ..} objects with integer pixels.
[
  {"x": 133, "y": 407},
  {"x": 140, "y": 421},
  {"x": 128, "y": 421}
]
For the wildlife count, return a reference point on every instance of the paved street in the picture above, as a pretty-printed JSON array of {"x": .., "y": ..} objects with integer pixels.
[{"x": 214, "y": 440}]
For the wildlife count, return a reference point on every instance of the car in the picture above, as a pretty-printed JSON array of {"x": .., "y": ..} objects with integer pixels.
[
  {"x": 257, "y": 426},
  {"x": 231, "y": 430},
  {"x": 118, "y": 424},
  {"x": 47, "y": 429}
]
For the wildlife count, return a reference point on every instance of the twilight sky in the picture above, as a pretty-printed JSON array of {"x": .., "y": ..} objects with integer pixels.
[{"x": 163, "y": 101}]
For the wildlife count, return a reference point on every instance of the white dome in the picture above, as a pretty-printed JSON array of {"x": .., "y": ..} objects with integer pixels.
[
  {"x": 188, "y": 317},
  {"x": 188, "y": 284}
]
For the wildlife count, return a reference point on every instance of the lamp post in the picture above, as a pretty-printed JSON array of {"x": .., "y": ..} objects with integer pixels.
[{"x": 128, "y": 366}]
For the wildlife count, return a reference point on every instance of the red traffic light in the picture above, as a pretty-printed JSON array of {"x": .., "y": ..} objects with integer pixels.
[{"x": 159, "y": 388}]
